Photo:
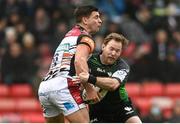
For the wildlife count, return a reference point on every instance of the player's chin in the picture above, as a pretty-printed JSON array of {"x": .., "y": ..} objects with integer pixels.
[
  {"x": 97, "y": 29},
  {"x": 94, "y": 31},
  {"x": 111, "y": 61}
]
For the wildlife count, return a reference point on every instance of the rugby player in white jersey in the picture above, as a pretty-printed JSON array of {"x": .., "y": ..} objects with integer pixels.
[{"x": 58, "y": 93}]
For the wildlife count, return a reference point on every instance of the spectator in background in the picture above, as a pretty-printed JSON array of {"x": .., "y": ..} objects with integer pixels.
[
  {"x": 10, "y": 35},
  {"x": 11, "y": 6},
  {"x": 2, "y": 35},
  {"x": 14, "y": 18},
  {"x": 33, "y": 56},
  {"x": 15, "y": 66},
  {"x": 10, "y": 38},
  {"x": 144, "y": 18},
  {"x": 176, "y": 40},
  {"x": 41, "y": 25},
  {"x": 21, "y": 30},
  {"x": 140, "y": 69},
  {"x": 159, "y": 55},
  {"x": 176, "y": 49},
  {"x": 31, "y": 53}
]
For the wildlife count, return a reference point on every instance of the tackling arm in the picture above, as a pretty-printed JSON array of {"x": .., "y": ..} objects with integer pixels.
[
  {"x": 82, "y": 53},
  {"x": 107, "y": 83}
]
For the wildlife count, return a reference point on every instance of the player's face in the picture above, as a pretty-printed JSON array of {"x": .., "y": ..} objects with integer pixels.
[
  {"x": 94, "y": 22},
  {"x": 111, "y": 52}
]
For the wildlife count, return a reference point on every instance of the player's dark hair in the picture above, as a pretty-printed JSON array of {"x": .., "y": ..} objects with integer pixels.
[
  {"x": 84, "y": 11},
  {"x": 117, "y": 37}
]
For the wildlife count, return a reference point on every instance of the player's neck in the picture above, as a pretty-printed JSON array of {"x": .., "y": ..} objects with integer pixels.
[{"x": 84, "y": 27}]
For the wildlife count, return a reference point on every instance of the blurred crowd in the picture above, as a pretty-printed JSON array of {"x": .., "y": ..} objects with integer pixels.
[{"x": 30, "y": 31}]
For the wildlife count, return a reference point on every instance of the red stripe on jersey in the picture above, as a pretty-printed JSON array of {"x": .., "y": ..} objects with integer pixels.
[{"x": 75, "y": 91}]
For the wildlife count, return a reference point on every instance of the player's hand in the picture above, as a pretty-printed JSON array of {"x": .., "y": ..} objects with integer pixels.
[
  {"x": 76, "y": 80},
  {"x": 92, "y": 93},
  {"x": 83, "y": 77}
]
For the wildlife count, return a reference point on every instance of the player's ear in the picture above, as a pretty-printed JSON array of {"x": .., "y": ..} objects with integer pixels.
[
  {"x": 103, "y": 46},
  {"x": 84, "y": 20}
]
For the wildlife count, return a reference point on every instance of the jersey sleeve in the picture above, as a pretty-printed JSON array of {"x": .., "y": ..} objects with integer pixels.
[
  {"x": 87, "y": 41},
  {"x": 122, "y": 73}
]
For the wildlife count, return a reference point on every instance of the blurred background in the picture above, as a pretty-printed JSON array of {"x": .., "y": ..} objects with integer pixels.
[{"x": 30, "y": 31}]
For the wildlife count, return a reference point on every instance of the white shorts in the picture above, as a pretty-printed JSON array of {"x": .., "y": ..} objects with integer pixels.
[{"x": 57, "y": 96}]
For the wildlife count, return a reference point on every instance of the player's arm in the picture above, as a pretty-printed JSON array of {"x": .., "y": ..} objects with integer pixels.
[
  {"x": 106, "y": 83},
  {"x": 118, "y": 77},
  {"x": 84, "y": 49}
]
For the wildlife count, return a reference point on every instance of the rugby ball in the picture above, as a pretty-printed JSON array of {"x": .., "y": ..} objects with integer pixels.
[{"x": 102, "y": 94}]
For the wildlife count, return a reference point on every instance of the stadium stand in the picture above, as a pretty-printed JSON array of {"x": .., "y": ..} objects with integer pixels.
[
  {"x": 32, "y": 117},
  {"x": 18, "y": 104},
  {"x": 7, "y": 105},
  {"x": 143, "y": 104},
  {"x": 21, "y": 90},
  {"x": 149, "y": 89},
  {"x": 133, "y": 89},
  {"x": 172, "y": 89},
  {"x": 4, "y": 90}
]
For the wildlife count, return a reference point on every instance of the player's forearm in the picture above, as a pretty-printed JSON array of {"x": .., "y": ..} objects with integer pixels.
[
  {"x": 106, "y": 83},
  {"x": 81, "y": 58},
  {"x": 81, "y": 65},
  {"x": 110, "y": 84}
]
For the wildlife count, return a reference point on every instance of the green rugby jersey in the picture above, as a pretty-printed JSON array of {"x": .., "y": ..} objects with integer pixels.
[{"x": 119, "y": 70}]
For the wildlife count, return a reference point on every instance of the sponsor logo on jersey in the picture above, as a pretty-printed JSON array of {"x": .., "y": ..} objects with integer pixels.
[
  {"x": 68, "y": 105},
  {"x": 129, "y": 110},
  {"x": 104, "y": 71},
  {"x": 100, "y": 70}
]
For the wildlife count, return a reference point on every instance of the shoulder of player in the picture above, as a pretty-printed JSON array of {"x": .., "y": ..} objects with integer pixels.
[
  {"x": 94, "y": 56},
  {"x": 123, "y": 64},
  {"x": 86, "y": 40},
  {"x": 85, "y": 37}
]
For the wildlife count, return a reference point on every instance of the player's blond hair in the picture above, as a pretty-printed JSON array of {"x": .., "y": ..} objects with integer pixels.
[{"x": 117, "y": 37}]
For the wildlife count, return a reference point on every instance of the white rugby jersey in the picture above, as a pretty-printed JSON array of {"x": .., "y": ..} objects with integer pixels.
[{"x": 63, "y": 60}]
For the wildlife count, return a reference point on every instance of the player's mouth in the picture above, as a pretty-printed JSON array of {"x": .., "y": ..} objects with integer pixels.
[{"x": 111, "y": 58}]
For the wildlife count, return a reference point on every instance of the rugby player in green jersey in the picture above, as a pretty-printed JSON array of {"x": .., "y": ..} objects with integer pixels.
[{"x": 110, "y": 72}]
